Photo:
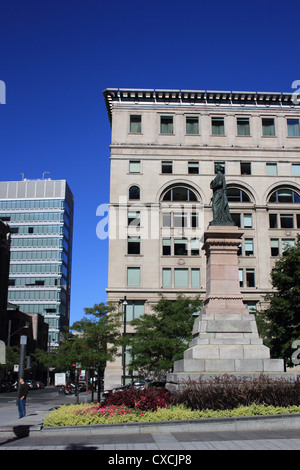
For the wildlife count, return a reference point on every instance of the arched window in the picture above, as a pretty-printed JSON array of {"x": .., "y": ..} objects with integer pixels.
[
  {"x": 235, "y": 194},
  {"x": 180, "y": 194},
  {"x": 134, "y": 193},
  {"x": 285, "y": 195}
]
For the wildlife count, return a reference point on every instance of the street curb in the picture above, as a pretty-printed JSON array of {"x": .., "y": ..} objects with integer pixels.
[
  {"x": 242, "y": 423},
  {"x": 233, "y": 424}
]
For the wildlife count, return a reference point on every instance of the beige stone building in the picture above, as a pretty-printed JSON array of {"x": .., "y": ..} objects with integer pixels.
[{"x": 165, "y": 145}]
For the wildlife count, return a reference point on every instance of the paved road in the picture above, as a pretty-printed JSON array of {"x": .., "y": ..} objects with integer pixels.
[{"x": 26, "y": 434}]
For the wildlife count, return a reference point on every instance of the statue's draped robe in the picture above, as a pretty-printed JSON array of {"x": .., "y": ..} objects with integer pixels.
[{"x": 220, "y": 206}]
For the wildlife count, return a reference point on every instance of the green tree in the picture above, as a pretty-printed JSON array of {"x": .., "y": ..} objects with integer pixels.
[
  {"x": 99, "y": 334},
  {"x": 92, "y": 341},
  {"x": 279, "y": 324},
  {"x": 161, "y": 337}
]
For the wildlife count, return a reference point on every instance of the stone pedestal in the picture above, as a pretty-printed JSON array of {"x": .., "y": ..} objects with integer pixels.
[
  {"x": 225, "y": 337},
  {"x": 223, "y": 293}
]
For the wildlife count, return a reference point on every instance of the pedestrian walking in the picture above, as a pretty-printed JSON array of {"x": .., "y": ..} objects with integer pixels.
[{"x": 21, "y": 400}]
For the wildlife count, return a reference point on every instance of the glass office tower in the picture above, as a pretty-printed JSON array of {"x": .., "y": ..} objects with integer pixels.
[{"x": 40, "y": 215}]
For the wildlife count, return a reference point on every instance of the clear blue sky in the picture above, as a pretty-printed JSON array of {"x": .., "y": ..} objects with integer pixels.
[{"x": 56, "y": 58}]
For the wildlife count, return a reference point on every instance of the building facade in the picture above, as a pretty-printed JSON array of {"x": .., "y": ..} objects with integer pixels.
[
  {"x": 4, "y": 276},
  {"x": 40, "y": 216},
  {"x": 165, "y": 146}
]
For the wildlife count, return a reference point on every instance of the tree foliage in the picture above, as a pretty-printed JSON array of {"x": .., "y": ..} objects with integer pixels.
[
  {"x": 99, "y": 334},
  {"x": 162, "y": 337},
  {"x": 92, "y": 341},
  {"x": 279, "y": 324}
]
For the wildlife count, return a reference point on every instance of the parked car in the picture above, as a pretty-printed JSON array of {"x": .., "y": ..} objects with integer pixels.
[
  {"x": 121, "y": 389},
  {"x": 31, "y": 384},
  {"x": 156, "y": 384}
]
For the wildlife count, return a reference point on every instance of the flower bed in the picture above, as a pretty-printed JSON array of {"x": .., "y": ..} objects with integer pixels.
[
  {"x": 72, "y": 415},
  {"x": 221, "y": 397}
]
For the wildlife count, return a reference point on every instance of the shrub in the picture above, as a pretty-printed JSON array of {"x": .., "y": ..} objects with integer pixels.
[
  {"x": 145, "y": 400},
  {"x": 229, "y": 392}
]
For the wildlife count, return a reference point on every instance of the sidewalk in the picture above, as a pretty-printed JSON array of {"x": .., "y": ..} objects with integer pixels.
[{"x": 35, "y": 414}]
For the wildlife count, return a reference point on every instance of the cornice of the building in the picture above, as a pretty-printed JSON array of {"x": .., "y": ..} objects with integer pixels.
[{"x": 115, "y": 96}]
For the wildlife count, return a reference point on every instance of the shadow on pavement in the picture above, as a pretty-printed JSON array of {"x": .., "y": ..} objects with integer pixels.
[
  {"x": 20, "y": 432},
  {"x": 80, "y": 447}
]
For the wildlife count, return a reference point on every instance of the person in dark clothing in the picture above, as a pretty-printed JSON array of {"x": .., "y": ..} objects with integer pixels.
[{"x": 22, "y": 395}]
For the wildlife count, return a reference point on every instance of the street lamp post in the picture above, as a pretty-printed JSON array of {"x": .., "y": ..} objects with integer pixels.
[
  {"x": 124, "y": 334},
  {"x": 23, "y": 342}
]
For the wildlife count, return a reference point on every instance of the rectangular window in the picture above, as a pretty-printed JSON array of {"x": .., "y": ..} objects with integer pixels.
[
  {"x": 251, "y": 306},
  {"x": 287, "y": 243},
  {"x": 298, "y": 220},
  {"x": 166, "y": 246},
  {"x": 135, "y": 124},
  {"x": 167, "y": 277},
  {"x": 271, "y": 169},
  {"x": 273, "y": 220},
  {"x": 245, "y": 168},
  {"x": 236, "y": 217},
  {"x": 167, "y": 219},
  {"x": 180, "y": 247},
  {"x": 195, "y": 247},
  {"x": 167, "y": 167},
  {"x": 274, "y": 247},
  {"x": 133, "y": 277},
  {"x": 217, "y": 126},
  {"x": 134, "y": 309},
  {"x": 134, "y": 166},
  {"x": 181, "y": 277},
  {"x": 240, "y": 250},
  {"x": 293, "y": 126},
  {"x": 166, "y": 124},
  {"x": 133, "y": 245},
  {"x": 250, "y": 277},
  {"x": 192, "y": 125},
  {"x": 249, "y": 249},
  {"x": 134, "y": 218},
  {"x": 286, "y": 221},
  {"x": 241, "y": 277},
  {"x": 194, "y": 220},
  {"x": 193, "y": 168},
  {"x": 195, "y": 277},
  {"x": 243, "y": 126},
  {"x": 268, "y": 127},
  {"x": 296, "y": 169},
  {"x": 180, "y": 219},
  {"x": 247, "y": 220}
]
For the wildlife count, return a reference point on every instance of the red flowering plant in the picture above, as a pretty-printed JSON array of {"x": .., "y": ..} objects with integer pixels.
[{"x": 146, "y": 400}]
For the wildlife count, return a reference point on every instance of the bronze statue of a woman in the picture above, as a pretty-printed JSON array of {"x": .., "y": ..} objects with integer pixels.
[{"x": 220, "y": 206}]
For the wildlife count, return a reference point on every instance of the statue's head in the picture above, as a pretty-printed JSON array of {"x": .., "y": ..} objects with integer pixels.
[{"x": 219, "y": 168}]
